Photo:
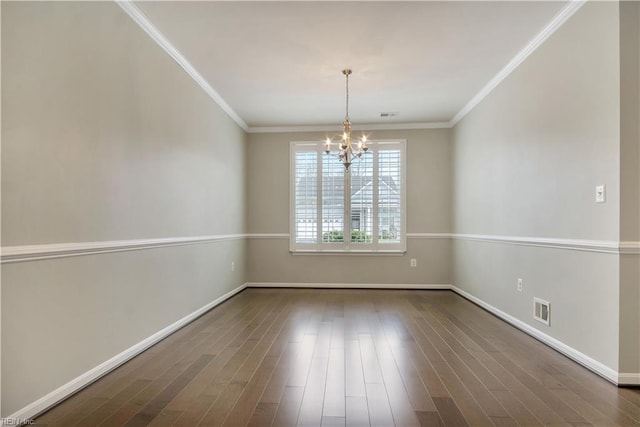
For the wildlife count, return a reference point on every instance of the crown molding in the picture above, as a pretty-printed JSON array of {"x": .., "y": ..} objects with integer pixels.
[
  {"x": 141, "y": 19},
  {"x": 558, "y": 20},
  {"x": 358, "y": 127}
]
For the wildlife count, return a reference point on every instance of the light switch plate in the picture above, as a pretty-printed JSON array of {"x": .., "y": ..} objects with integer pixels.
[{"x": 601, "y": 193}]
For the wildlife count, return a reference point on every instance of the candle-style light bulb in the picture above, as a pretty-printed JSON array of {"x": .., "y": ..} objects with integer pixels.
[{"x": 327, "y": 147}]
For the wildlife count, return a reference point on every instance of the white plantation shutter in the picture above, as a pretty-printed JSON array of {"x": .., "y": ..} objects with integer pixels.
[
  {"x": 359, "y": 211},
  {"x": 306, "y": 197},
  {"x": 362, "y": 192},
  {"x": 390, "y": 225},
  {"x": 332, "y": 202}
]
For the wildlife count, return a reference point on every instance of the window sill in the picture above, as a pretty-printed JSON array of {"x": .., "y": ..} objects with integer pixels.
[{"x": 354, "y": 252}]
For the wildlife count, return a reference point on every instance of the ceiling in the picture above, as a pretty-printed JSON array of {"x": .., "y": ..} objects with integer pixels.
[{"x": 279, "y": 63}]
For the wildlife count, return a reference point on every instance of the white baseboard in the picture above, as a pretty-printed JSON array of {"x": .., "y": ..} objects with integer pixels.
[
  {"x": 345, "y": 285},
  {"x": 32, "y": 410},
  {"x": 628, "y": 379},
  {"x": 586, "y": 361}
]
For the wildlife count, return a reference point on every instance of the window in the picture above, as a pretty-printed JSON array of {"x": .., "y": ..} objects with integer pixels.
[{"x": 359, "y": 211}]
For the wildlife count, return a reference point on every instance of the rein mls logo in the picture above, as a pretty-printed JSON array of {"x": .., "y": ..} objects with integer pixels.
[{"x": 16, "y": 421}]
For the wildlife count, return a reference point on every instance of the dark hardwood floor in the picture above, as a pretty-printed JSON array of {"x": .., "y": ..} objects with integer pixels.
[{"x": 348, "y": 357}]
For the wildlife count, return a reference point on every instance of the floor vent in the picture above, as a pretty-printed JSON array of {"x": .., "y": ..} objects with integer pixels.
[{"x": 541, "y": 310}]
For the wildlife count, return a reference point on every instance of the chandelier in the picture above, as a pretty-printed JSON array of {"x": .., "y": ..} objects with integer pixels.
[{"x": 347, "y": 149}]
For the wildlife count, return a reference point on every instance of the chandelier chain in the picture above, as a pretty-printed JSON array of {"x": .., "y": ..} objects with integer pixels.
[{"x": 346, "y": 117}]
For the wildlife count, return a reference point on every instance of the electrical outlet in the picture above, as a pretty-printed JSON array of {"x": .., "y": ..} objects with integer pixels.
[
  {"x": 233, "y": 266},
  {"x": 414, "y": 262},
  {"x": 520, "y": 284}
]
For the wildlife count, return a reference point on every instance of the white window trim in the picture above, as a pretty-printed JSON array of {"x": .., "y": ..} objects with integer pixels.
[{"x": 345, "y": 248}]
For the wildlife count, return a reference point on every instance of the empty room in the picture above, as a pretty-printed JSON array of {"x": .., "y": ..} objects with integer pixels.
[{"x": 320, "y": 213}]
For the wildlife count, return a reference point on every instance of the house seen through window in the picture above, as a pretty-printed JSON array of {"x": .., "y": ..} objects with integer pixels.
[{"x": 360, "y": 210}]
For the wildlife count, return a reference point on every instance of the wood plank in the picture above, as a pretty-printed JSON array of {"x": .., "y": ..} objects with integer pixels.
[
  {"x": 401, "y": 407},
  {"x": 452, "y": 352},
  {"x": 449, "y": 411},
  {"x": 302, "y": 363},
  {"x": 527, "y": 374},
  {"x": 429, "y": 418},
  {"x": 348, "y": 357},
  {"x": 378, "y": 405},
  {"x": 334, "y": 393},
  {"x": 289, "y": 407},
  {"x": 263, "y": 414},
  {"x": 370, "y": 365},
  {"x": 357, "y": 411},
  {"x": 103, "y": 411},
  {"x": 602, "y": 398},
  {"x": 248, "y": 400},
  {"x": 280, "y": 377},
  {"x": 266, "y": 334},
  {"x": 415, "y": 388},
  {"x": 354, "y": 375},
  {"x": 153, "y": 408},
  {"x": 226, "y": 368},
  {"x": 165, "y": 418},
  {"x": 313, "y": 399},
  {"x": 250, "y": 396},
  {"x": 466, "y": 401},
  {"x": 333, "y": 421}
]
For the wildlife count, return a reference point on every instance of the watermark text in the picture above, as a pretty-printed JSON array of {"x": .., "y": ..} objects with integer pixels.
[{"x": 16, "y": 421}]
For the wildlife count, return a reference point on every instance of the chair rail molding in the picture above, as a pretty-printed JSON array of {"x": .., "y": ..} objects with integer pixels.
[
  {"x": 24, "y": 253},
  {"x": 603, "y": 246}
]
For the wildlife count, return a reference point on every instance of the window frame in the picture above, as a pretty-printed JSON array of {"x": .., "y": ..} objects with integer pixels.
[{"x": 320, "y": 247}]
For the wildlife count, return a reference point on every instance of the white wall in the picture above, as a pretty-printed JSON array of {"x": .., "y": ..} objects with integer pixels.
[
  {"x": 526, "y": 162},
  {"x": 630, "y": 186},
  {"x": 104, "y": 137},
  {"x": 428, "y": 211}
]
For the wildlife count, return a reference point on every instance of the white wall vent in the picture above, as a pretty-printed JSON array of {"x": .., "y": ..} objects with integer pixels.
[{"x": 541, "y": 310}]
